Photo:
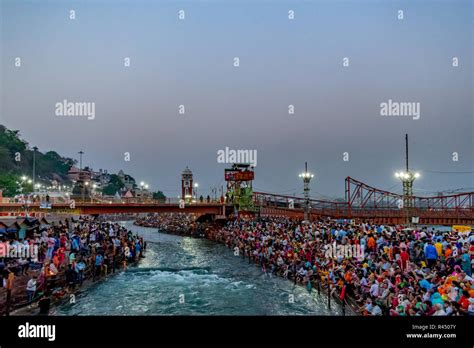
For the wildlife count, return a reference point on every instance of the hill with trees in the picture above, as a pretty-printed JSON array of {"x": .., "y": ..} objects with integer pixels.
[{"x": 16, "y": 160}]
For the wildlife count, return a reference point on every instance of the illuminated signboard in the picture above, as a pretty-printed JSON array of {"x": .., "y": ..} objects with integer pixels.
[{"x": 239, "y": 176}]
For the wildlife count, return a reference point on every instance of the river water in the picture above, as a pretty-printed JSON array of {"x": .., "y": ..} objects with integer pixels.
[{"x": 188, "y": 276}]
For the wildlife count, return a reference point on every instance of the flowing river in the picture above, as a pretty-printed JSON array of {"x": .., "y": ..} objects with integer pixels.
[{"x": 189, "y": 276}]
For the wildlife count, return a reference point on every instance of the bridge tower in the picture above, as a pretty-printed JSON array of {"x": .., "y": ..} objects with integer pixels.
[
  {"x": 239, "y": 187},
  {"x": 187, "y": 185}
]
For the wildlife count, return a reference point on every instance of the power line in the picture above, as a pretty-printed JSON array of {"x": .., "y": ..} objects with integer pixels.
[
  {"x": 392, "y": 187},
  {"x": 445, "y": 172},
  {"x": 462, "y": 189},
  {"x": 292, "y": 190}
]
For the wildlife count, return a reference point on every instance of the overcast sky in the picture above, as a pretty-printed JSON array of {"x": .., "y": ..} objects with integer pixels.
[{"x": 282, "y": 62}]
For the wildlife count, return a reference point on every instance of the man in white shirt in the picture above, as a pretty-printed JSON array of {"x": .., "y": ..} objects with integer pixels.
[
  {"x": 439, "y": 310},
  {"x": 31, "y": 288},
  {"x": 376, "y": 310},
  {"x": 374, "y": 289}
]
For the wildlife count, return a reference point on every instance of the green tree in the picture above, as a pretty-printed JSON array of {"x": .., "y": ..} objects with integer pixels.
[
  {"x": 9, "y": 185},
  {"x": 159, "y": 195},
  {"x": 5, "y": 159},
  {"x": 114, "y": 185},
  {"x": 11, "y": 140}
]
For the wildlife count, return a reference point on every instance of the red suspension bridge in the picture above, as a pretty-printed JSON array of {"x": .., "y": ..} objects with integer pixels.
[
  {"x": 366, "y": 202},
  {"x": 361, "y": 202}
]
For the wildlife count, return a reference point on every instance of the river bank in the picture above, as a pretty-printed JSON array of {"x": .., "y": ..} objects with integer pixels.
[
  {"x": 66, "y": 295},
  {"x": 68, "y": 261}
]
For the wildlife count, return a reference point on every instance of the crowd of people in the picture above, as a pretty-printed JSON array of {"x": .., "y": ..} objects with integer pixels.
[
  {"x": 377, "y": 269},
  {"x": 389, "y": 270},
  {"x": 53, "y": 262},
  {"x": 174, "y": 223}
]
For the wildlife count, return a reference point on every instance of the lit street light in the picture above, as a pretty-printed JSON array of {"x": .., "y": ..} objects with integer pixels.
[
  {"x": 143, "y": 186},
  {"x": 34, "y": 164},
  {"x": 20, "y": 183},
  {"x": 407, "y": 178},
  {"x": 92, "y": 192},
  {"x": 196, "y": 185},
  {"x": 407, "y": 175},
  {"x": 86, "y": 183},
  {"x": 306, "y": 176}
]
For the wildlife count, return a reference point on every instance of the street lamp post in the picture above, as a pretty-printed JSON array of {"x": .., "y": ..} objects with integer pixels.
[
  {"x": 196, "y": 185},
  {"x": 143, "y": 186},
  {"x": 24, "y": 179},
  {"x": 80, "y": 177},
  {"x": 34, "y": 164},
  {"x": 83, "y": 188},
  {"x": 92, "y": 192},
  {"x": 407, "y": 178},
  {"x": 80, "y": 161},
  {"x": 24, "y": 196},
  {"x": 306, "y": 176}
]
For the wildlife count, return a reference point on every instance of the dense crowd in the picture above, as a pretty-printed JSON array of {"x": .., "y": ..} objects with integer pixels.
[
  {"x": 58, "y": 259},
  {"x": 383, "y": 270},
  {"x": 175, "y": 223}
]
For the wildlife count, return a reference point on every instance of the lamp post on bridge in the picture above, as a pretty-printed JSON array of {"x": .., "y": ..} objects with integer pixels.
[
  {"x": 407, "y": 178},
  {"x": 92, "y": 192},
  {"x": 306, "y": 176},
  {"x": 196, "y": 186},
  {"x": 83, "y": 189},
  {"x": 143, "y": 186}
]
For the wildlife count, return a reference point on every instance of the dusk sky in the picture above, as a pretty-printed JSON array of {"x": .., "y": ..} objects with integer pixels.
[{"x": 282, "y": 62}]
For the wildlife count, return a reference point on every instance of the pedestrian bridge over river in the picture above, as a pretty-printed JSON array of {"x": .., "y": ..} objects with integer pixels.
[{"x": 361, "y": 202}]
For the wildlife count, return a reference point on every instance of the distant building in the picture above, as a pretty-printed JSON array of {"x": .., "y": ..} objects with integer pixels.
[
  {"x": 128, "y": 194},
  {"x": 143, "y": 194},
  {"x": 100, "y": 178},
  {"x": 73, "y": 173},
  {"x": 127, "y": 180}
]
